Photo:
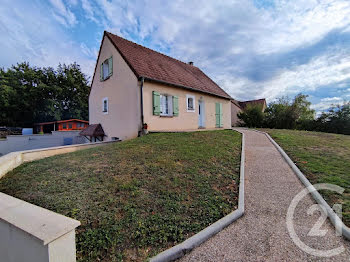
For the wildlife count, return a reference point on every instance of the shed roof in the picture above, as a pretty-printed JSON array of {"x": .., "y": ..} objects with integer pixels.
[{"x": 94, "y": 130}]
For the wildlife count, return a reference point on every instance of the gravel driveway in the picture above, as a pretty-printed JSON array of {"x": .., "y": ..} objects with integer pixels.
[{"x": 261, "y": 234}]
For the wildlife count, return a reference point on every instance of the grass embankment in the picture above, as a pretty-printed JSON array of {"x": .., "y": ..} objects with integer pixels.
[
  {"x": 139, "y": 197},
  {"x": 323, "y": 158}
]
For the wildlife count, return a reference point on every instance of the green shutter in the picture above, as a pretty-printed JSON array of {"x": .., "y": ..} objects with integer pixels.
[
  {"x": 101, "y": 72},
  {"x": 156, "y": 103},
  {"x": 110, "y": 65},
  {"x": 175, "y": 106},
  {"x": 217, "y": 114},
  {"x": 221, "y": 122}
]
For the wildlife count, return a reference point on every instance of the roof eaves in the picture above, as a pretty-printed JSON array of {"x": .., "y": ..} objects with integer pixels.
[{"x": 181, "y": 86}]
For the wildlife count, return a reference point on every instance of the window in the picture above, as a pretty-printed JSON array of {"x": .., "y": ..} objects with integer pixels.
[
  {"x": 166, "y": 105},
  {"x": 70, "y": 126},
  {"x": 190, "y": 101},
  {"x": 64, "y": 126},
  {"x": 106, "y": 69},
  {"x": 105, "y": 105}
]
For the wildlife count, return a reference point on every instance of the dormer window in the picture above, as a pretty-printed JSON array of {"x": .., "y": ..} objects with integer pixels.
[{"x": 106, "y": 69}]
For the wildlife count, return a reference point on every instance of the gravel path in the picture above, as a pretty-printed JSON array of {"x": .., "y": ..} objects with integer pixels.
[{"x": 261, "y": 234}]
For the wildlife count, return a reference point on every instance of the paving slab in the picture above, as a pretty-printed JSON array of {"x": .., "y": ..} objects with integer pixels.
[{"x": 262, "y": 234}]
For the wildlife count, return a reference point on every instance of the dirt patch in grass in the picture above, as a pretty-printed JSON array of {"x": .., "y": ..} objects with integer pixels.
[
  {"x": 323, "y": 158},
  {"x": 139, "y": 197}
]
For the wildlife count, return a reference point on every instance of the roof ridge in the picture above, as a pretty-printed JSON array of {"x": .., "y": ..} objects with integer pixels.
[{"x": 178, "y": 60}]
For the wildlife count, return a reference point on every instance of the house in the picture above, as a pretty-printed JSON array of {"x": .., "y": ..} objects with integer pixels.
[
  {"x": 134, "y": 87},
  {"x": 62, "y": 125},
  {"x": 239, "y": 106}
]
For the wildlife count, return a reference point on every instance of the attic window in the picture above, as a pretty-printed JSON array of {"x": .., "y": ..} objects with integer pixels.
[
  {"x": 190, "y": 103},
  {"x": 106, "y": 69}
]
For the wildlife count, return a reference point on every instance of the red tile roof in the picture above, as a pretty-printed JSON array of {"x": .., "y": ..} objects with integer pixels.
[{"x": 154, "y": 66}]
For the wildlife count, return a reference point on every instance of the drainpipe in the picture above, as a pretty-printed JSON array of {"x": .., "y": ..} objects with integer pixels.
[{"x": 141, "y": 95}]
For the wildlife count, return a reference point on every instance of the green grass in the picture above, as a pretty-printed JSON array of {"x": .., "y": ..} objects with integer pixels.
[
  {"x": 139, "y": 197},
  {"x": 323, "y": 158}
]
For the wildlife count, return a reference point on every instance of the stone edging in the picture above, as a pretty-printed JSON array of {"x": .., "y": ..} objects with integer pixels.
[
  {"x": 336, "y": 221},
  {"x": 183, "y": 248}
]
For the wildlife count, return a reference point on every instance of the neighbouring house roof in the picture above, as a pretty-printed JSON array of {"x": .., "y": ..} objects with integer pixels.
[
  {"x": 75, "y": 120},
  {"x": 157, "y": 67},
  {"x": 94, "y": 130},
  {"x": 244, "y": 104},
  {"x": 236, "y": 103}
]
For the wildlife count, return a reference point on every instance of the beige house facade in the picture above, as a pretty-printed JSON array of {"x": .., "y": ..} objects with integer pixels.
[{"x": 135, "y": 88}]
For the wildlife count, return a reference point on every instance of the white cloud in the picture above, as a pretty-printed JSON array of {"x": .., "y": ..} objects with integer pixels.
[
  {"x": 62, "y": 14},
  {"x": 88, "y": 8},
  {"x": 326, "y": 103},
  {"x": 224, "y": 38},
  {"x": 320, "y": 71},
  {"x": 27, "y": 34}
]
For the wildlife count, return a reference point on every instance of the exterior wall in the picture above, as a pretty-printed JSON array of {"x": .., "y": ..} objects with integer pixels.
[
  {"x": 234, "y": 118},
  {"x": 57, "y": 138},
  {"x": 185, "y": 120},
  {"x": 74, "y": 126},
  {"x": 123, "y": 92}
]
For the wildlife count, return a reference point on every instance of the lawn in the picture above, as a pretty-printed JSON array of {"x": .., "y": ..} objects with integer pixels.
[
  {"x": 139, "y": 197},
  {"x": 323, "y": 158}
]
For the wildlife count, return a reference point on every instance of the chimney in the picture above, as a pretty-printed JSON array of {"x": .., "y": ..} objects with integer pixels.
[{"x": 190, "y": 63}]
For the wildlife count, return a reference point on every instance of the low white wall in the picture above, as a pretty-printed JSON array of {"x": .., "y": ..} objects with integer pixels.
[
  {"x": 34, "y": 234},
  {"x": 14, "y": 159},
  {"x": 15, "y": 143},
  {"x": 31, "y": 233}
]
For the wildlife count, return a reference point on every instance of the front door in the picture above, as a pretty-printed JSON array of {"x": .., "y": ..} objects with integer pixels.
[{"x": 201, "y": 114}]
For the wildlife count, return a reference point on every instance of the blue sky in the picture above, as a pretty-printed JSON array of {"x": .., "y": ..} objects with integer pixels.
[{"x": 251, "y": 48}]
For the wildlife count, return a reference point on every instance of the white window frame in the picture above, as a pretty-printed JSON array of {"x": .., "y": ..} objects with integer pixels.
[
  {"x": 103, "y": 105},
  {"x": 169, "y": 105},
  {"x": 194, "y": 103}
]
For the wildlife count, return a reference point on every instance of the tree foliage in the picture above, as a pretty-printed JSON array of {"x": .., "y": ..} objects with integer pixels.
[
  {"x": 335, "y": 120},
  {"x": 297, "y": 114},
  {"x": 31, "y": 94},
  {"x": 289, "y": 114},
  {"x": 252, "y": 116}
]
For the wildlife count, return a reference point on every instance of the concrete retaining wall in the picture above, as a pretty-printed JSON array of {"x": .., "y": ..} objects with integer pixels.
[
  {"x": 15, "y": 143},
  {"x": 34, "y": 234},
  {"x": 31, "y": 233},
  {"x": 14, "y": 159}
]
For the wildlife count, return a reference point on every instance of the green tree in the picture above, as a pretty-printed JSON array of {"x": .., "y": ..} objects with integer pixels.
[
  {"x": 336, "y": 120},
  {"x": 31, "y": 94},
  {"x": 252, "y": 116},
  {"x": 289, "y": 114}
]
